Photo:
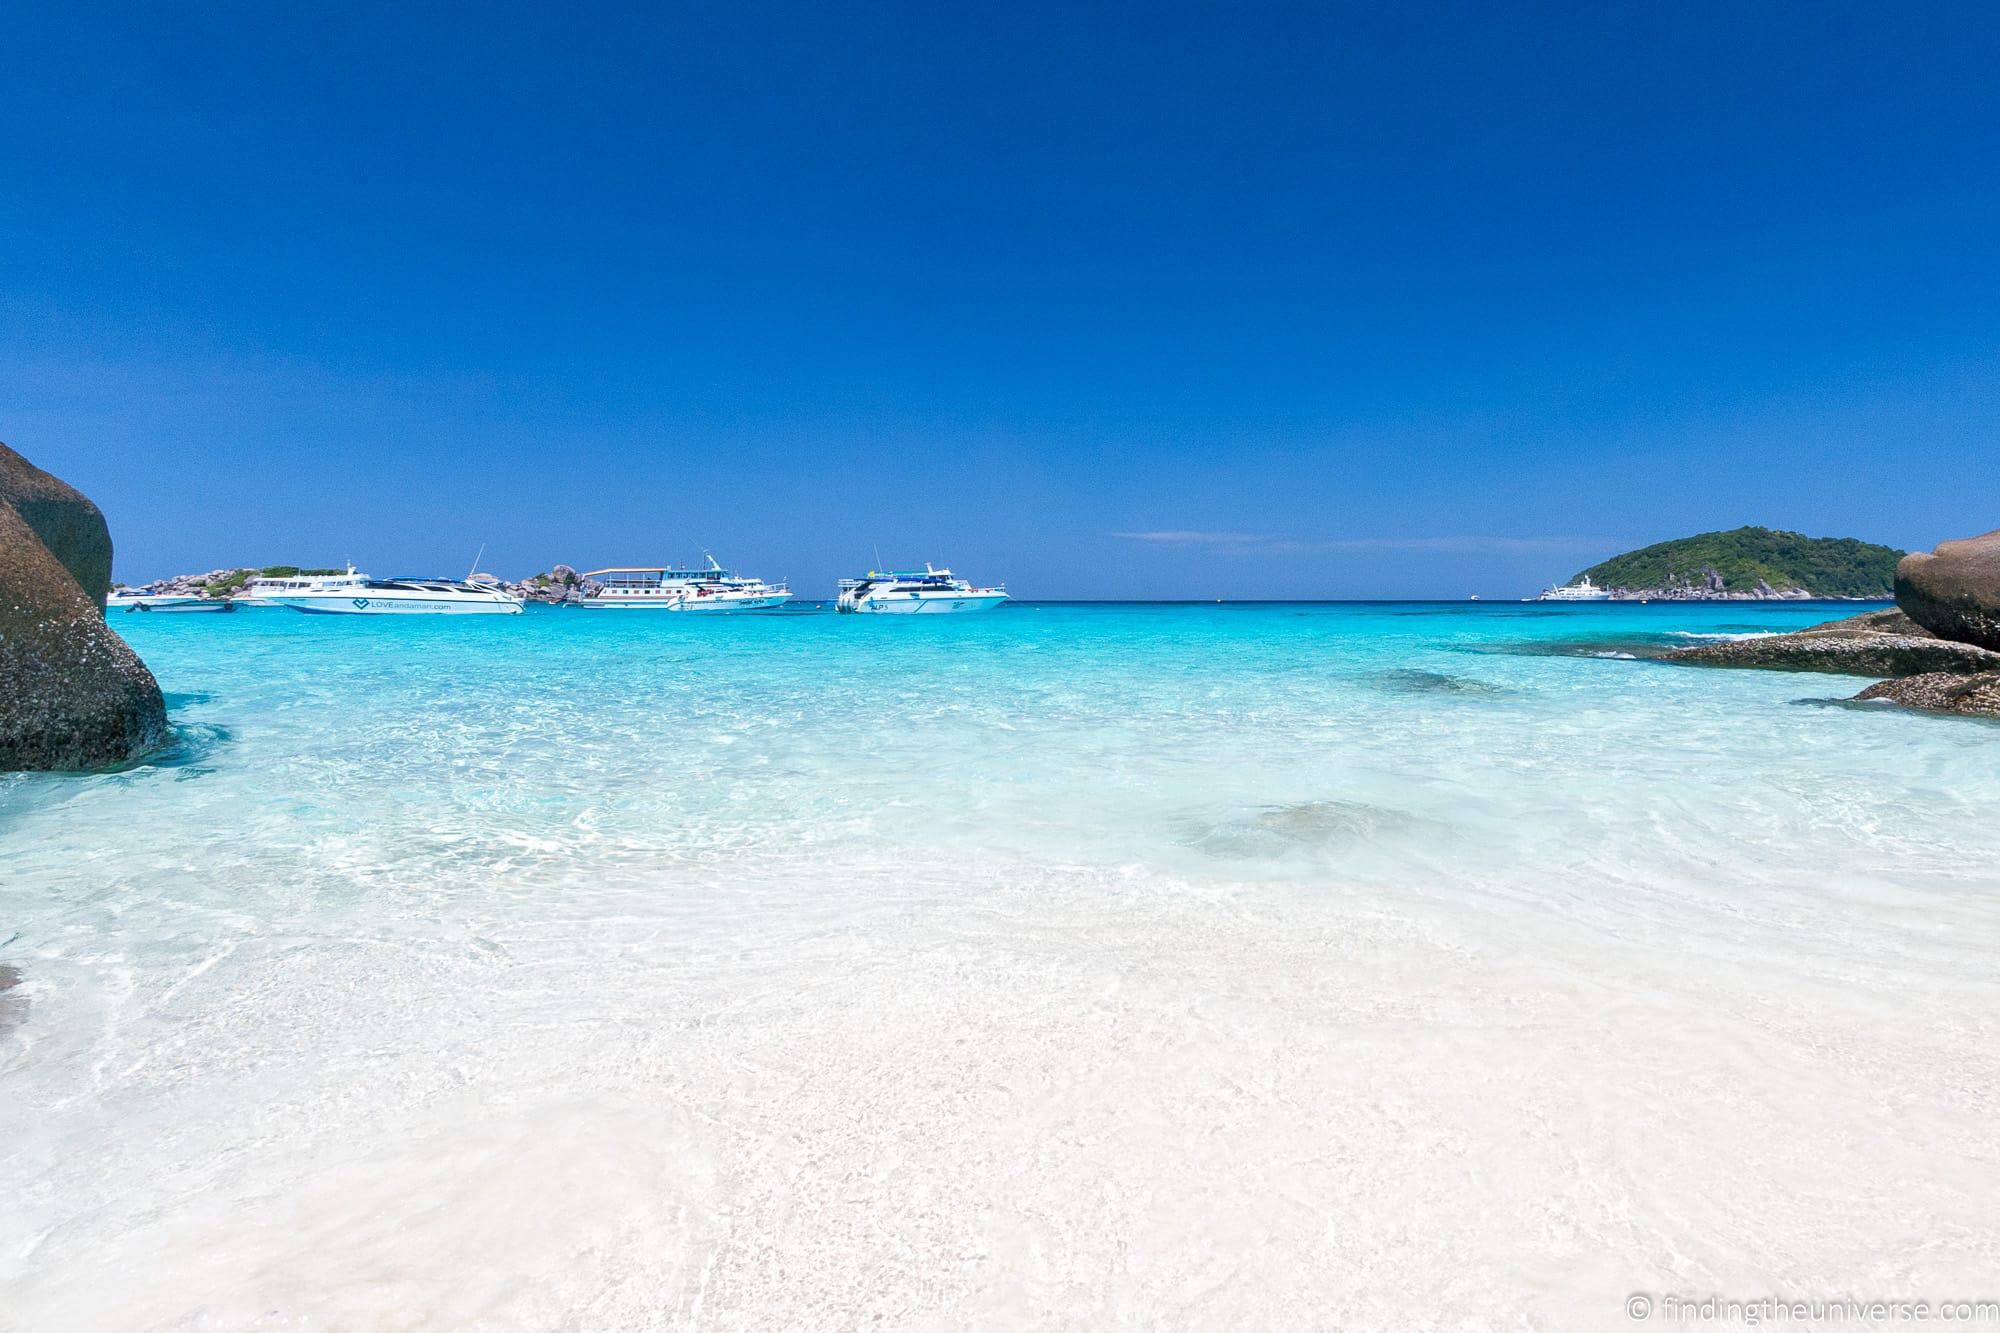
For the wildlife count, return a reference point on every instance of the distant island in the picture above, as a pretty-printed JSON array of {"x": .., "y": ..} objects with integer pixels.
[{"x": 1750, "y": 564}]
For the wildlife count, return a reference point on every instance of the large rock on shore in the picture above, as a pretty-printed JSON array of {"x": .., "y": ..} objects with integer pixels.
[
  {"x": 1880, "y": 643},
  {"x": 1941, "y": 692},
  {"x": 64, "y": 520},
  {"x": 73, "y": 695},
  {"x": 1955, "y": 591}
]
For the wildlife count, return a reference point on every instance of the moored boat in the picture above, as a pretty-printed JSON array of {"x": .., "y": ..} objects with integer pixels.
[
  {"x": 364, "y": 596},
  {"x": 665, "y": 588},
  {"x": 927, "y": 591},
  {"x": 129, "y": 599},
  {"x": 266, "y": 590},
  {"x": 1583, "y": 590}
]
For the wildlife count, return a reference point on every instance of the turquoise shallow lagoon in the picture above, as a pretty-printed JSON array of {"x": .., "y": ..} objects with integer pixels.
[{"x": 1387, "y": 965}]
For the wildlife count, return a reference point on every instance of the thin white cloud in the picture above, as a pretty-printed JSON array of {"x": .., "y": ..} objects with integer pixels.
[
  {"x": 1264, "y": 543},
  {"x": 1180, "y": 537},
  {"x": 1512, "y": 545}
]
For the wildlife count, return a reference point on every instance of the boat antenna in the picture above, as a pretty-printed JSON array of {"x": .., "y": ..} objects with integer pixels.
[
  {"x": 475, "y": 561},
  {"x": 878, "y": 555}
]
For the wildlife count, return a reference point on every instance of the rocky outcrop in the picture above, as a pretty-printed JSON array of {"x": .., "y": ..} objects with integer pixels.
[
  {"x": 1955, "y": 590},
  {"x": 214, "y": 583},
  {"x": 1708, "y": 585},
  {"x": 1941, "y": 692},
  {"x": 65, "y": 522},
  {"x": 1880, "y": 643},
  {"x": 1935, "y": 674},
  {"x": 72, "y": 694},
  {"x": 1889, "y": 621},
  {"x": 555, "y": 585}
]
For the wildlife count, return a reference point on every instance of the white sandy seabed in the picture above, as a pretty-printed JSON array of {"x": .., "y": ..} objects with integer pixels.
[{"x": 424, "y": 1046}]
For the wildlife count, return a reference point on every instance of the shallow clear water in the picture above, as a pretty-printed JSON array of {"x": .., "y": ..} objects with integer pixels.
[{"x": 1065, "y": 966}]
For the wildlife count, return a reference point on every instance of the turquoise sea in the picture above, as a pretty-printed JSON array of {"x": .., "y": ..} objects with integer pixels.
[{"x": 1069, "y": 966}]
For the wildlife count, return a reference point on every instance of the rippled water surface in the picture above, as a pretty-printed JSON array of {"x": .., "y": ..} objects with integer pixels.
[{"x": 1080, "y": 967}]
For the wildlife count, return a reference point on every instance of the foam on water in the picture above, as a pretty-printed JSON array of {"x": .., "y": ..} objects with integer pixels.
[
  {"x": 1061, "y": 967},
  {"x": 1723, "y": 636}
]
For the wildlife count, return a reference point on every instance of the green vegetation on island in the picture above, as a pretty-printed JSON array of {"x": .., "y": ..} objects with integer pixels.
[{"x": 1749, "y": 562}]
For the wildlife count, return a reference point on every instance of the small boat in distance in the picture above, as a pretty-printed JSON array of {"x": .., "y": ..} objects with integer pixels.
[
  {"x": 665, "y": 588},
  {"x": 130, "y": 599},
  {"x": 1583, "y": 590},
  {"x": 355, "y": 594},
  {"x": 928, "y": 591}
]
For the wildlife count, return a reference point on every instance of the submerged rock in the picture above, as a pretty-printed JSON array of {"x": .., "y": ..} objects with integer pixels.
[
  {"x": 1326, "y": 821},
  {"x": 1941, "y": 692},
  {"x": 1280, "y": 830},
  {"x": 1878, "y": 643},
  {"x": 73, "y": 695},
  {"x": 13, "y": 1008},
  {"x": 1411, "y": 681},
  {"x": 1955, "y": 590}
]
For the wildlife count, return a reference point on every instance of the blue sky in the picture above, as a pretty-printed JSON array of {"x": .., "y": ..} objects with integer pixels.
[{"x": 1135, "y": 300}]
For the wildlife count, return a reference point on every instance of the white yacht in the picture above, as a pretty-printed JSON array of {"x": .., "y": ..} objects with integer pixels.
[
  {"x": 132, "y": 599},
  {"x": 713, "y": 589},
  {"x": 1583, "y": 590},
  {"x": 267, "y": 591},
  {"x": 928, "y": 590},
  {"x": 355, "y": 594}
]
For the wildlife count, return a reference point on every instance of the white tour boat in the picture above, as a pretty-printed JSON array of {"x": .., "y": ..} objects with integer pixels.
[
  {"x": 266, "y": 591},
  {"x": 713, "y": 589},
  {"x": 130, "y": 599},
  {"x": 1581, "y": 591},
  {"x": 358, "y": 595},
  {"x": 928, "y": 591}
]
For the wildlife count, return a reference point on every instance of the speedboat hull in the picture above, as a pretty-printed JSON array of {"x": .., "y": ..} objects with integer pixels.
[
  {"x": 923, "y": 603},
  {"x": 692, "y": 605},
  {"x": 401, "y": 604},
  {"x": 725, "y": 605}
]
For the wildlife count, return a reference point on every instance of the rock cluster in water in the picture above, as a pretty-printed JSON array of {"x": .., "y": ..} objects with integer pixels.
[
  {"x": 555, "y": 585},
  {"x": 220, "y": 583},
  {"x": 1941, "y": 692},
  {"x": 1941, "y": 645},
  {"x": 1880, "y": 643},
  {"x": 73, "y": 695}
]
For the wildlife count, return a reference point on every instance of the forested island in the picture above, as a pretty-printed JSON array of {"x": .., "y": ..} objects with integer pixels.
[{"x": 1751, "y": 563}]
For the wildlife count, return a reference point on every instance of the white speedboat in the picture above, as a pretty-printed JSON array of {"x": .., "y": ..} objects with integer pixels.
[
  {"x": 364, "y": 596},
  {"x": 128, "y": 599},
  {"x": 267, "y": 591},
  {"x": 928, "y": 591},
  {"x": 1583, "y": 590},
  {"x": 713, "y": 589}
]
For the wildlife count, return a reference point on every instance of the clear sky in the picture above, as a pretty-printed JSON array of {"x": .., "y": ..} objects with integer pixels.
[{"x": 1151, "y": 300}]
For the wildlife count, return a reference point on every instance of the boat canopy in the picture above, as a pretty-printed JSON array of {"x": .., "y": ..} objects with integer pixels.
[
  {"x": 912, "y": 575},
  {"x": 657, "y": 575}
]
